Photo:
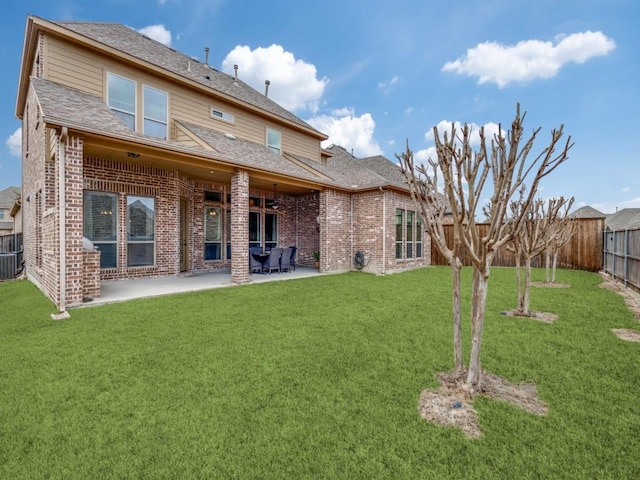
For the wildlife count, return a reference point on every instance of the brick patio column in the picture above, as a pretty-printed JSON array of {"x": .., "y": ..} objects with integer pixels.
[{"x": 240, "y": 227}]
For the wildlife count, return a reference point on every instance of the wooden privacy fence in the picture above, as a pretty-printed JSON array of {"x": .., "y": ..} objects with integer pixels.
[
  {"x": 621, "y": 256},
  {"x": 583, "y": 252}
]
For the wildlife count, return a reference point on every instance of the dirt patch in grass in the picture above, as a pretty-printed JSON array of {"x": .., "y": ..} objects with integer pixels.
[
  {"x": 452, "y": 405},
  {"x": 631, "y": 297},
  {"x": 550, "y": 285},
  {"x": 540, "y": 316},
  {"x": 629, "y": 335}
]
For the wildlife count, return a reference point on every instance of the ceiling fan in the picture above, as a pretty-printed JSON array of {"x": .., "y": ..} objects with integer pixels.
[{"x": 273, "y": 203}]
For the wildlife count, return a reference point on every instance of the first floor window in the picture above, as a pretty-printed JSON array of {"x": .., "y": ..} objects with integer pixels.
[
  {"x": 408, "y": 235},
  {"x": 409, "y": 228},
  {"x": 212, "y": 233},
  {"x": 140, "y": 231},
  {"x": 270, "y": 230},
  {"x": 399, "y": 232},
  {"x": 255, "y": 240},
  {"x": 418, "y": 236},
  {"x": 101, "y": 225},
  {"x": 228, "y": 232}
]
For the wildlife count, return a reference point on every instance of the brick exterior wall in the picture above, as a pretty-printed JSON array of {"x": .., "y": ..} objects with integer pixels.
[
  {"x": 91, "y": 275},
  {"x": 365, "y": 221}
]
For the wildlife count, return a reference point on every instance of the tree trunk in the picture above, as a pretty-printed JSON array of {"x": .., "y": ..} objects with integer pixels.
[
  {"x": 456, "y": 267},
  {"x": 519, "y": 282},
  {"x": 555, "y": 262},
  {"x": 527, "y": 286},
  {"x": 547, "y": 261},
  {"x": 478, "y": 308}
]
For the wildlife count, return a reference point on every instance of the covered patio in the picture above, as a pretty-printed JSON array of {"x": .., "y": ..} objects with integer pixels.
[{"x": 113, "y": 291}]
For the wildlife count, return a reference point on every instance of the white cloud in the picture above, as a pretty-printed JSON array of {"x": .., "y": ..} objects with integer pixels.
[
  {"x": 492, "y": 62},
  {"x": 387, "y": 86},
  {"x": 349, "y": 131},
  {"x": 14, "y": 142},
  {"x": 294, "y": 82},
  {"x": 158, "y": 33},
  {"x": 444, "y": 126}
]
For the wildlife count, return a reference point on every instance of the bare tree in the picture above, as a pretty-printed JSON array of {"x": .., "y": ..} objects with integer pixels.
[
  {"x": 464, "y": 173},
  {"x": 562, "y": 230},
  {"x": 535, "y": 235},
  {"x": 433, "y": 205}
]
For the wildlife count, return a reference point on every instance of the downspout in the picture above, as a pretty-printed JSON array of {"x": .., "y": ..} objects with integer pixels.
[
  {"x": 62, "y": 221},
  {"x": 352, "y": 232},
  {"x": 384, "y": 231}
]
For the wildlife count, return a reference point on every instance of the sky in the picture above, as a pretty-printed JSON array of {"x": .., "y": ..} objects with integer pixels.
[{"x": 376, "y": 75}]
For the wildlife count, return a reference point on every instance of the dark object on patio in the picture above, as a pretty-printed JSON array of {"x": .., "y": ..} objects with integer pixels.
[
  {"x": 273, "y": 262},
  {"x": 254, "y": 263},
  {"x": 293, "y": 257},
  {"x": 285, "y": 260}
]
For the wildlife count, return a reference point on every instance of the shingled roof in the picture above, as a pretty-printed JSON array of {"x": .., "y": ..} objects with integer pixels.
[
  {"x": 625, "y": 219},
  {"x": 360, "y": 173},
  {"x": 587, "y": 212},
  {"x": 130, "y": 42},
  {"x": 245, "y": 153},
  {"x": 8, "y": 196}
]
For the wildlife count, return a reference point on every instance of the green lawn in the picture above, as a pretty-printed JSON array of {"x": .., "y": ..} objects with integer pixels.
[{"x": 313, "y": 378}]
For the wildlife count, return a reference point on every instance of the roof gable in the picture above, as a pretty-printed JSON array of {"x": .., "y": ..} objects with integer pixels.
[
  {"x": 130, "y": 42},
  {"x": 8, "y": 196}
]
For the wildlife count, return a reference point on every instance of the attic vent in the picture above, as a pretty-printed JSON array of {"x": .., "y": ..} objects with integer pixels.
[
  {"x": 230, "y": 136},
  {"x": 220, "y": 115}
]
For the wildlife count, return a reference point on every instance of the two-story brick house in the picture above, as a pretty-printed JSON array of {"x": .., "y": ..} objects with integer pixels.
[{"x": 168, "y": 165}]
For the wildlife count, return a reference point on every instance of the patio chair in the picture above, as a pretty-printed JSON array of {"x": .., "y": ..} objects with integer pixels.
[
  {"x": 293, "y": 257},
  {"x": 285, "y": 260},
  {"x": 273, "y": 262},
  {"x": 254, "y": 264}
]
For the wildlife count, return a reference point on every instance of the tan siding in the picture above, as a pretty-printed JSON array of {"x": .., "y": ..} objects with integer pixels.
[{"x": 79, "y": 68}]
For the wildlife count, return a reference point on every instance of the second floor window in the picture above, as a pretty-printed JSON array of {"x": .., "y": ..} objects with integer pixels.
[
  {"x": 121, "y": 98},
  {"x": 155, "y": 112},
  {"x": 273, "y": 141}
]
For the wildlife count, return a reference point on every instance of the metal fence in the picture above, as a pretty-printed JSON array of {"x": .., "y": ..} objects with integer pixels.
[
  {"x": 10, "y": 255},
  {"x": 621, "y": 256}
]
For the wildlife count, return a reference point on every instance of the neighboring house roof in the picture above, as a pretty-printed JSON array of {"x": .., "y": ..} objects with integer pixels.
[
  {"x": 8, "y": 196},
  {"x": 625, "y": 219},
  {"x": 587, "y": 212},
  {"x": 130, "y": 42}
]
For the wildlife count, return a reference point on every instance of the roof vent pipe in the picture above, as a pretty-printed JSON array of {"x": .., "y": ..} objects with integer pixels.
[
  {"x": 235, "y": 67},
  {"x": 266, "y": 87},
  {"x": 206, "y": 55}
]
